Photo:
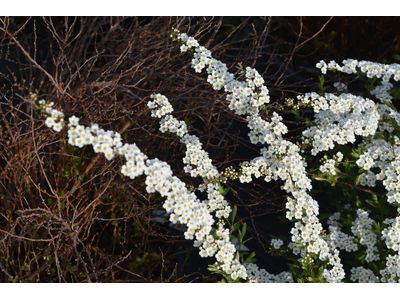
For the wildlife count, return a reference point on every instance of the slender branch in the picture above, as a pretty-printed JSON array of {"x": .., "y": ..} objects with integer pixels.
[
  {"x": 353, "y": 186},
  {"x": 8, "y": 275},
  {"x": 60, "y": 90}
]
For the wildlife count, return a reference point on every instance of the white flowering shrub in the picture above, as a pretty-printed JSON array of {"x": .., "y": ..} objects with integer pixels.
[{"x": 358, "y": 137}]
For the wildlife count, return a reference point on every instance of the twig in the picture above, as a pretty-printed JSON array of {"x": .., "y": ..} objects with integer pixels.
[{"x": 8, "y": 275}]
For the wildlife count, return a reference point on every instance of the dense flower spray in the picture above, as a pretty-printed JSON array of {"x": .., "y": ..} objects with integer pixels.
[
  {"x": 280, "y": 160},
  {"x": 338, "y": 121}
]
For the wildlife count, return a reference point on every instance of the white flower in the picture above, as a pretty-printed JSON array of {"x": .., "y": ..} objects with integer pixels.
[
  {"x": 79, "y": 142},
  {"x": 105, "y": 147},
  {"x": 97, "y": 147},
  {"x": 57, "y": 126},
  {"x": 184, "y": 48},
  {"x": 49, "y": 122},
  {"x": 94, "y": 128},
  {"x": 74, "y": 120},
  {"x": 109, "y": 154}
]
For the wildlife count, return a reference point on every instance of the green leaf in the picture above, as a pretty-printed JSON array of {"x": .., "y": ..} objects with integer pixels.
[
  {"x": 239, "y": 66},
  {"x": 235, "y": 226},
  {"x": 250, "y": 258},
  {"x": 349, "y": 221},
  {"x": 377, "y": 227},
  {"x": 298, "y": 244},
  {"x": 372, "y": 203},
  {"x": 320, "y": 178},
  {"x": 361, "y": 256},
  {"x": 357, "y": 181},
  {"x": 355, "y": 154},
  {"x": 247, "y": 240},
  {"x": 225, "y": 191},
  {"x": 233, "y": 213},
  {"x": 282, "y": 219},
  {"x": 375, "y": 267},
  {"x": 295, "y": 111},
  {"x": 321, "y": 80},
  {"x": 244, "y": 230},
  {"x": 213, "y": 268}
]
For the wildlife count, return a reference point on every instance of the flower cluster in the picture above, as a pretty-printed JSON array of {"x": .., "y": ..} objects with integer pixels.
[
  {"x": 340, "y": 86},
  {"x": 102, "y": 141},
  {"x": 195, "y": 155},
  {"x": 339, "y": 119},
  {"x": 280, "y": 160},
  {"x": 160, "y": 106},
  {"x": 328, "y": 165},
  {"x": 391, "y": 273},
  {"x": 338, "y": 239},
  {"x": 363, "y": 275},
  {"x": 371, "y": 69},
  {"x": 362, "y": 226},
  {"x": 276, "y": 243},
  {"x": 183, "y": 205},
  {"x": 383, "y": 156},
  {"x": 54, "y": 120},
  {"x": 391, "y": 234},
  {"x": 257, "y": 275},
  {"x": 217, "y": 244},
  {"x": 380, "y": 160},
  {"x": 336, "y": 273}
]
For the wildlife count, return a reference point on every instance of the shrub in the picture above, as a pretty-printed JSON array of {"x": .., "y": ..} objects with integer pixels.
[{"x": 340, "y": 118}]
